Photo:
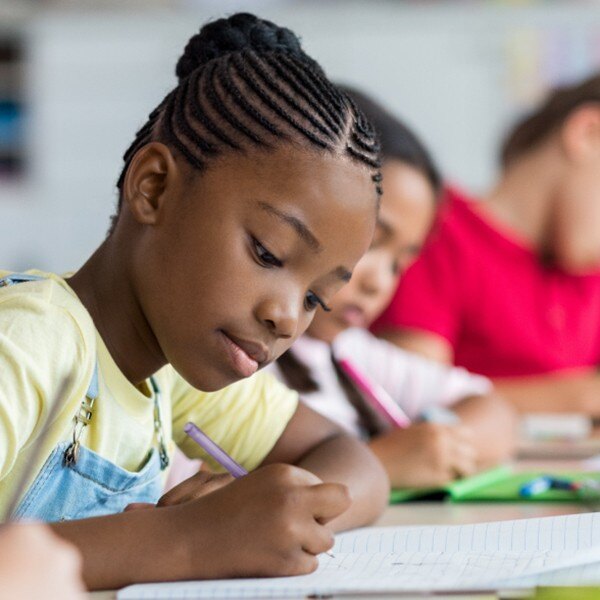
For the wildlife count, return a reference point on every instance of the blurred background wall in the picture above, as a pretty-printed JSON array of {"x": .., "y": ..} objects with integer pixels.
[{"x": 78, "y": 78}]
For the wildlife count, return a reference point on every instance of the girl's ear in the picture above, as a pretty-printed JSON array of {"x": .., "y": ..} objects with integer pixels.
[
  {"x": 146, "y": 182},
  {"x": 580, "y": 133}
]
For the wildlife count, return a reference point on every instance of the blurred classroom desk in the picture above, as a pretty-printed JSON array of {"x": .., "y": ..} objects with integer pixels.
[{"x": 446, "y": 513}]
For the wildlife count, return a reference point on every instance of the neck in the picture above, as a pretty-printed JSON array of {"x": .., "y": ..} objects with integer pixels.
[
  {"x": 106, "y": 289},
  {"x": 523, "y": 197}
]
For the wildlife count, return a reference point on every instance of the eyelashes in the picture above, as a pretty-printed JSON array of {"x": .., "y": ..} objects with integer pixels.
[
  {"x": 311, "y": 301},
  {"x": 269, "y": 261},
  {"x": 266, "y": 258}
]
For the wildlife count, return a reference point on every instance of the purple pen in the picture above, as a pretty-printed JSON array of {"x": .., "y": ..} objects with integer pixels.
[{"x": 215, "y": 450}]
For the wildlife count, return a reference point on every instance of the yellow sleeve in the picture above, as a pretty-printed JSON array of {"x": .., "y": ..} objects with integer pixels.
[
  {"x": 40, "y": 344},
  {"x": 246, "y": 419}
]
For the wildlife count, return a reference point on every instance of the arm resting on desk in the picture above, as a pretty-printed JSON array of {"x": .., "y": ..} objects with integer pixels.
[{"x": 579, "y": 392}]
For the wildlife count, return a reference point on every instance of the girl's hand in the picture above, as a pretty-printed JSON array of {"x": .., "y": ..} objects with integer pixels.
[
  {"x": 34, "y": 563},
  {"x": 272, "y": 522},
  {"x": 426, "y": 454},
  {"x": 200, "y": 484}
]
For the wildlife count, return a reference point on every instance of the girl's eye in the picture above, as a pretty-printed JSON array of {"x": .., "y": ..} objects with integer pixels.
[
  {"x": 311, "y": 301},
  {"x": 264, "y": 256}
]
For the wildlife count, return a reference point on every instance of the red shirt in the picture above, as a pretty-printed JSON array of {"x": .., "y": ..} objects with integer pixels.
[{"x": 502, "y": 310}]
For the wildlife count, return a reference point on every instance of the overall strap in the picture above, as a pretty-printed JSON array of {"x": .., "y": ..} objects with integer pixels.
[
  {"x": 158, "y": 426},
  {"x": 15, "y": 278},
  {"x": 82, "y": 418}
]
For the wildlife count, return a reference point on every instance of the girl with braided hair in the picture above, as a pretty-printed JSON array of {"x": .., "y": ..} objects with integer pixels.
[
  {"x": 245, "y": 201},
  {"x": 477, "y": 426}
]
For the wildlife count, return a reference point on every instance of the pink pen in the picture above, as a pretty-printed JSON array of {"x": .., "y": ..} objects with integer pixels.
[{"x": 378, "y": 397}]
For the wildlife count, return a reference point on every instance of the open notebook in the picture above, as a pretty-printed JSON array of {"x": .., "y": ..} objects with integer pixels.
[{"x": 520, "y": 554}]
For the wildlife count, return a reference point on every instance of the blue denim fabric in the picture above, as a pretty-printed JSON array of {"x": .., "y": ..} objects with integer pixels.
[{"x": 91, "y": 487}]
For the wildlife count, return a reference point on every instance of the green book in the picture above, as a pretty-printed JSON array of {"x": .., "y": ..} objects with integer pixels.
[
  {"x": 567, "y": 593},
  {"x": 501, "y": 484}
]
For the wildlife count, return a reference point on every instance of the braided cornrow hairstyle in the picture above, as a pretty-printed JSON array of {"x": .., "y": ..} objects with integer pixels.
[
  {"x": 246, "y": 83},
  {"x": 398, "y": 141}
]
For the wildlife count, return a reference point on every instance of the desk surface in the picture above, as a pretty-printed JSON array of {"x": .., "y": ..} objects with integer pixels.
[{"x": 446, "y": 513}]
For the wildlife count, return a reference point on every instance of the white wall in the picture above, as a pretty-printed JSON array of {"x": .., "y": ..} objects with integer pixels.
[{"x": 458, "y": 73}]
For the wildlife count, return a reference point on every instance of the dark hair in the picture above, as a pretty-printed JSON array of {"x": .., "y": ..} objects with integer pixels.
[
  {"x": 298, "y": 377},
  {"x": 245, "y": 82},
  {"x": 536, "y": 127},
  {"x": 397, "y": 140}
]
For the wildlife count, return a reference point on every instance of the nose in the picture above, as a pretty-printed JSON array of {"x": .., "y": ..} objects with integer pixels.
[{"x": 280, "y": 317}]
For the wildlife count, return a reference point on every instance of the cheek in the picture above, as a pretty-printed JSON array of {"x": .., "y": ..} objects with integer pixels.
[
  {"x": 319, "y": 324},
  {"x": 207, "y": 275},
  {"x": 305, "y": 321},
  {"x": 345, "y": 295},
  {"x": 384, "y": 299}
]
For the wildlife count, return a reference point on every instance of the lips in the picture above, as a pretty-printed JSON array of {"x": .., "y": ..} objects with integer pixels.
[
  {"x": 353, "y": 315},
  {"x": 244, "y": 356}
]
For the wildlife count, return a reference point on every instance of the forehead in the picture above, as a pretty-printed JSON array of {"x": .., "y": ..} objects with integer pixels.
[
  {"x": 408, "y": 197},
  {"x": 286, "y": 170},
  {"x": 329, "y": 193}
]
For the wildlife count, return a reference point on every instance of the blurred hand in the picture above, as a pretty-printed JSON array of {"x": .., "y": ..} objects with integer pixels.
[
  {"x": 35, "y": 563},
  {"x": 426, "y": 454}
]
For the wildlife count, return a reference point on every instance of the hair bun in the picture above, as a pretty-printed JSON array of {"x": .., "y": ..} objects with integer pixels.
[{"x": 238, "y": 32}]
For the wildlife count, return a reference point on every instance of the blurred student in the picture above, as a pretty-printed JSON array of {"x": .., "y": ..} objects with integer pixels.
[
  {"x": 510, "y": 287},
  {"x": 426, "y": 453},
  {"x": 35, "y": 563},
  {"x": 226, "y": 242}
]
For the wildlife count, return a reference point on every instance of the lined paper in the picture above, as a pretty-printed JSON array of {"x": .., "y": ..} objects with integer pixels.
[{"x": 520, "y": 553}]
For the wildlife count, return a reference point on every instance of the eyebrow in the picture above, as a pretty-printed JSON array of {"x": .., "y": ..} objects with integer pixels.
[
  {"x": 299, "y": 226},
  {"x": 306, "y": 234},
  {"x": 342, "y": 273}
]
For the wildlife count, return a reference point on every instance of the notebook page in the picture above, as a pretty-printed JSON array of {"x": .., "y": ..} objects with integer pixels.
[
  {"x": 439, "y": 558},
  {"x": 565, "y": 532},
  {"x": 352, "y": 573}
]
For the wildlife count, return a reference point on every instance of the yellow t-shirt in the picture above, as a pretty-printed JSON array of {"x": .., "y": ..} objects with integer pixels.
[{"x": 46, "y": 334}]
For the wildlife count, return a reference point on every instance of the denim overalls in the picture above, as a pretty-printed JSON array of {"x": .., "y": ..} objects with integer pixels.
[{"x": 75, "y": 482}]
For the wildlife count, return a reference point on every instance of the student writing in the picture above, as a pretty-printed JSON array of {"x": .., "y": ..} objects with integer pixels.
[
  {"x": 226, "y": 242},
  {"x": 424, "y": 454}
]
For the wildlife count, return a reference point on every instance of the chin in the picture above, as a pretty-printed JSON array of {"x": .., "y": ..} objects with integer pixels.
[{"x": 209, "y": 380}]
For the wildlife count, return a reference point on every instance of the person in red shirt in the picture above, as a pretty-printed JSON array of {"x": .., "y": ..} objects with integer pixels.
[{"x": 510, "y": 287}]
